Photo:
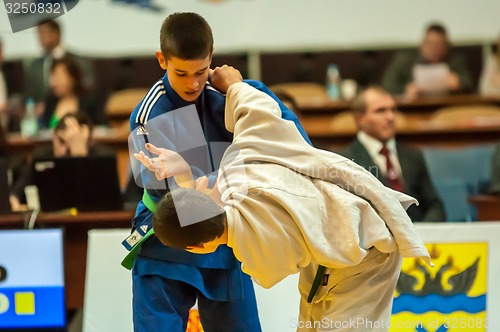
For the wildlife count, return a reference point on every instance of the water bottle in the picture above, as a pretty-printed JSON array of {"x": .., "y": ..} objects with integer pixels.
[
  {"x": 333, "y": 81},
  {"x": 29, "y": 123}
]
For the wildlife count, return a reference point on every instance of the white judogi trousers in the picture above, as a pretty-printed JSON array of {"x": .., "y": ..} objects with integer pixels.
[{"x": 357, "y": 298}]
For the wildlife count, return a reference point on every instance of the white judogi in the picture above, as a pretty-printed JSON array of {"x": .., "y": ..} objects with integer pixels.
[{"x": 291, "y": 207}]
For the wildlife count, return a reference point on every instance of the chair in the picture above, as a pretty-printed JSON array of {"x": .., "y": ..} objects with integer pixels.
[
  {"x": 288, "y": 101},
  {"x": 343, "y": 122},
  {"x": 481, "y": 157},
  {"x": 121, "y": 103},
  {"x": 301, "y": 92},
  {"x": 118, "y": 108},
  {"x": 466, "y": 115},
  {"x": 457, "y": 174},
  {"x": 454, "y": 194}
]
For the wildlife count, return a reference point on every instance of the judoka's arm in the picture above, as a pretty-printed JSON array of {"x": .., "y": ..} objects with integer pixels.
[
  {"x": 223, "y": 77},
  {"x": 286, "y": 113},
  {"x": 261, "y": 105},
  {"x": 201, "y": 184},
  {"x": 168, "y": 163}
]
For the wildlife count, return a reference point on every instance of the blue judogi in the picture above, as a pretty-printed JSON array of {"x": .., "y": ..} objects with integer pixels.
[{"x": 167, "y": 281}]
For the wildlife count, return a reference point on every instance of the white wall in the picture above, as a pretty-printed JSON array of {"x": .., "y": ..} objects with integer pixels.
[
  {"x": 103, "y": 28},
  {"x": 108, "y": 290}
]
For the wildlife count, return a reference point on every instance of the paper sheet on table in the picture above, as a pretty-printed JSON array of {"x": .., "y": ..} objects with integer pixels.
[{"x": 431, "y": 77}]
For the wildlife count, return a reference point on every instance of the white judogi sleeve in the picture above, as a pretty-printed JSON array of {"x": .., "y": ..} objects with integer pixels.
[{"x": 262, "y": 136}]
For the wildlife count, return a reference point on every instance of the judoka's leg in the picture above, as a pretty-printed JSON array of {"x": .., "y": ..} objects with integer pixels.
[
  {"x": 357, "y": 298},
  {"x": 161, "y": 304},
  {"x": 231, "y": 316}
]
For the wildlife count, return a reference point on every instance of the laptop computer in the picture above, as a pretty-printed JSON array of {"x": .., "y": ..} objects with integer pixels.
[
  {"x": 4, "y": 188},
  {"x": 85, "y": 183}
]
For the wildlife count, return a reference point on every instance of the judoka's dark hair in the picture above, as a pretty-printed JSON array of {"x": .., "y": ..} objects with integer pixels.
[
  {"x": 186, "y": 36},
  {"x": 168, "y": 228}
]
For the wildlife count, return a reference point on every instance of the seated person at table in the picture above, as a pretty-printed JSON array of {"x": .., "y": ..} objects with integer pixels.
[
  {"x": 288, "y": 207},
  {"x": 72, "y": 137},
  {"x": 489, "y": 81},
  {"x": 435, "y": 48},
  {"x": 68, "y": 95},
  {"x": 398, "y": 166}
]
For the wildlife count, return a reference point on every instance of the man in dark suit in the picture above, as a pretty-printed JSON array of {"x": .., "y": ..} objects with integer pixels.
[
  {"x": 38, "y": 70},
  {"x": 398, "y": 166},
  {"x": 3, "y": 91},
  {"x": 10, "y": 89}
]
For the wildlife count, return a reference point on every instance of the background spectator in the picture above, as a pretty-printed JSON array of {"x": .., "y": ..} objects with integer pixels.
[
  {"x": 398, "y": 166},
  {"x": 3, "y": 142},
  {"x": 3, "y": 92},
  {"x": 10, "y": 98},
  {"x": 435, "y": 48},
  {"x": 72, "y": 137},
  {"x": 68, "y": 94},
  {"x": 489, "y": 82},
  {"x": 37, "y": 71}
]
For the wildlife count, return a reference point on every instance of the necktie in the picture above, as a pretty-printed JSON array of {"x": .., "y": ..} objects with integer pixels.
[
  {"x": 393, "y": 180},
  {"x": 47, "y": 64}
]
